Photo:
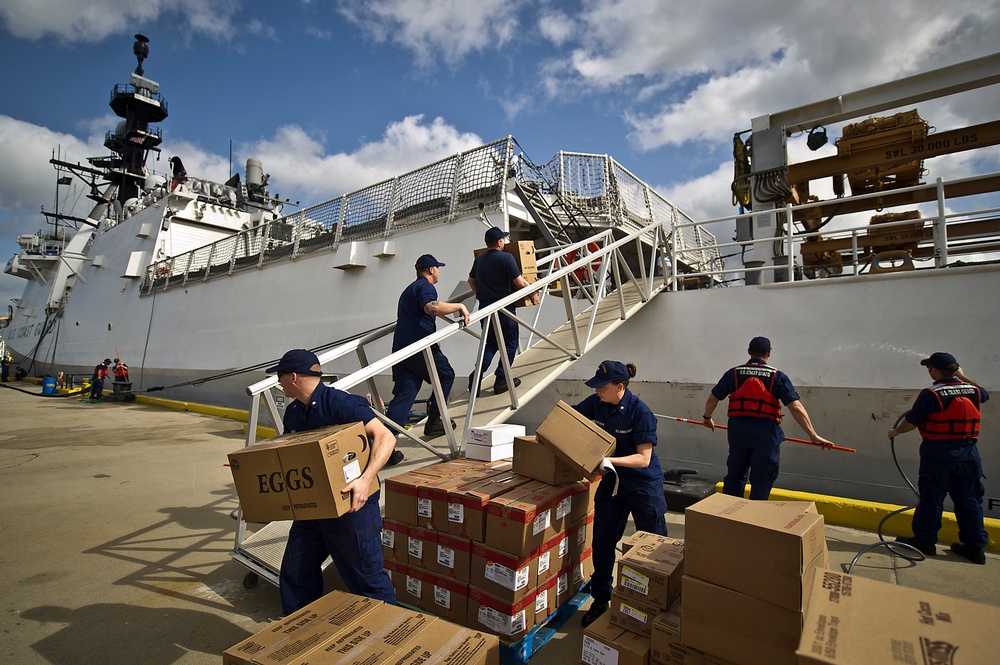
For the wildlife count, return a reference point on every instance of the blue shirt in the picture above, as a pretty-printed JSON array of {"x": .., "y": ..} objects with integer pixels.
[
  {"x": 943, "y": 450},
  {"x": 412, "y": 323},
  {"x": 327, "y": 406},
  {"x": 750, "y": 432},
  {"x": 631, "y": 423},
  {"x": 494, "y": 271}
]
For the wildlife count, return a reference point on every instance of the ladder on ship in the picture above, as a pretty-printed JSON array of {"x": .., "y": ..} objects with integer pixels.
[{"x": 606, "y": 292}]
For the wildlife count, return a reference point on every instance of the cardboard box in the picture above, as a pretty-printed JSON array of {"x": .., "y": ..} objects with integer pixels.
[
  {"x": 861, "y": 621},
  {"x": 666, "y": 631},
  {"x": 583, "y": 499},
  {"x": 421, "y": 548},
  {"x": 579, "y": 537},
  {"x": 408, "y": 583},
  {"x": 545, "y": 600},
  {"x": 445, "y": 643},
  {"x": 573, "y": 576},
  {"x": 534, "y": 460},
  {"x": 454, "y": 555},
  {"x": 738, "y": 627},
  {"x": 378, "y": 634},
  {"x": 489, "y": 453},
  {"x": 551, "y": 555},
  {"x": 299, "y": 476},
  {"x": 520, "y": 521},
  {"x": 447, "y": 598},
  {"x": 432, "y": 497},
  {"x": 651, "y": 572},
  {"x": 345, "y": 618},
  {"x": 634, "y": 615},
  {"x": 604, "y": 643},
  {"x": 643, "y": 538},
  {"x": 467, "y": 504},
  {"x": 242, "y": 653},
  {"x": 494, "y": 435},
  {"x": 505, "y": 576},
  {"x": 510, "y": 620},
  {"x": 777, "y": 546},
  {"x": 401, "y": 496},
  {"x": 394, "y": 541},
  {"x": 580, "y": 443}
]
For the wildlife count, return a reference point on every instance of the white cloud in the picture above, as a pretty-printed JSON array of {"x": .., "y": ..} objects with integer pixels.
[
  {"x": 300, "y": 166},
  {"x": 91, "y": 21},
  {"x": 449, "y": 29},
  {"x": 557, "y": 27}
]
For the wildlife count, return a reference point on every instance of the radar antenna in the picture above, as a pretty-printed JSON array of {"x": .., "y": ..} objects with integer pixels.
[{"x": 141, "y": 50}]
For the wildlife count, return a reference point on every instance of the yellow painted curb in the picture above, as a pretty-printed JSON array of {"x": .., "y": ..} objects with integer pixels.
[
  {"x": 866, "y": 515},
  {"x": 194, "y": 407}
]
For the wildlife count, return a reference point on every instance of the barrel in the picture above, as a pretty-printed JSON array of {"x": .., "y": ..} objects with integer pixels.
[{"x": 48, "y": 385}]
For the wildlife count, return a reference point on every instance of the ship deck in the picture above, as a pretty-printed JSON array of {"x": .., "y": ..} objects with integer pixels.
[{"x": 117, "y": 530}]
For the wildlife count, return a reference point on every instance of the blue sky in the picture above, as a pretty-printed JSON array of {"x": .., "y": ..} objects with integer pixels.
[{"x": 334, "y": 95}]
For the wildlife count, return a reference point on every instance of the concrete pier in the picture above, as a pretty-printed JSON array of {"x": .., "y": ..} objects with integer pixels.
[{"x": 116, "y": 531}]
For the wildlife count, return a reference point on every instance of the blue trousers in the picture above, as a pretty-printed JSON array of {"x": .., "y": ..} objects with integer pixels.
[
  {"x": 759, "y": 464},
  {"x": 354, "y": 543},
  {"x": 96, "y": 388},
  {"x": 962, "y": 481},
  {"x": 646, "y": 505},
  {"x": 511, "y": 339},
  {"x": 409, "y": 375}
]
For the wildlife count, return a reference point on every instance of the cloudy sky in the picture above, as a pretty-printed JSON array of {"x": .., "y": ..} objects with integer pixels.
[{"x": 334, "y": 95}]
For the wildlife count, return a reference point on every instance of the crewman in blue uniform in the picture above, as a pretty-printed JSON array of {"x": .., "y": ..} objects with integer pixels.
[
  {"x": 636, "y": 485},
  {"x": 493, "y": 277},
  {"x": 947, "y": 415},
  {"x": 416, "y": 318},
  {"x": 353, "y": 540},
  {"x": 756, "y": 392},
  {"x": 97, "y": 380}
]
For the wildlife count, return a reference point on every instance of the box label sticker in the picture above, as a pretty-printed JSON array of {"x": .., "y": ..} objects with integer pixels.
[
  {"x": 598, "y": 653},
  {"x": 416, "y": 548},
  {"x": 456, "y": 513},
  {"x": 424, "y": 508},
  {"x": 563, "y": 584},
  {"x": 515, "y": 580},
  {"x": 388, "y": 538},
  {"x": 541, "y": 603},
  {"x": 543, "y": 562},
  {"x": 632, "y": 612},
  {"x": 633, "y": 580},
  {"x": 352, "y": 470},
  {"x": 542, "y": 522},
  {"x": 442, "y": 597},
  {"x": 446, "y": 556},
  {"x": 414, "y": 587},
  {"x": 563, "y": 548},
  {"x": 562, "y": 510},
  {"x": 500, "y": 622}
]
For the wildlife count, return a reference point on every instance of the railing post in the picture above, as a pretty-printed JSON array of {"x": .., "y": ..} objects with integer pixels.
[
  {"x": 789, "y": 247},
  {"x": 940, "y": 230}
]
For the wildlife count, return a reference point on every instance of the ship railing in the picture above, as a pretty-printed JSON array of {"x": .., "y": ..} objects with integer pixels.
[
  {"x": 571, "y": 325},
  {"x": 465, "y": 184},
  {"x": 933, "y": 236}
]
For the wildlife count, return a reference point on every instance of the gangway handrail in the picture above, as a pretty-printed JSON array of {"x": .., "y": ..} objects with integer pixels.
[{"x": 561, "y": 266}]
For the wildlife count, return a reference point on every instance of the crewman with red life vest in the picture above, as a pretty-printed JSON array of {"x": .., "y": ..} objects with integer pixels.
[
  {"x": 97, "y": 381},
  {"x": 120, "y": 371},
  {"x": 947, "y": 415},
  {"x": 756, "y": 392}
]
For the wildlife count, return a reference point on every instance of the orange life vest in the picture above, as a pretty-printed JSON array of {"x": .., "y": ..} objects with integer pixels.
[
  {"x": 959, "y": 414},
  {"x": 753, "y": 396}
]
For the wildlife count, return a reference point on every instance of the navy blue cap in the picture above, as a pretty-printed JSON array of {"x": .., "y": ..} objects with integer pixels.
[
  {"x": 609, "y": 371},
  {"x": 300, "y": 361},
  {"x": 760, "y": 346},
  {"x": 427, "y": 261},
  {"x": 940, "y": 360},
  {"x": 107, "y": 361},
  {"x": 494, "y": 233}
]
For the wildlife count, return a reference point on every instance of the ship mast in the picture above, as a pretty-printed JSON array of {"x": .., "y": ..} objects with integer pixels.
[{"x": 139, "y": 104}]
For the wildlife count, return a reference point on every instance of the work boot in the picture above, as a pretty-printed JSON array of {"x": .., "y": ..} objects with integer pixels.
[
  {"x": 500, "y": 385},
  {"x": 970, "y": 552},
  {"x": 395, "y": 458},
  {"x": 434, "y": 427},
  {"x": 597, "y": 608},
  {"x": 927, "y": 549},
  {"x": 479, "y": 390}
]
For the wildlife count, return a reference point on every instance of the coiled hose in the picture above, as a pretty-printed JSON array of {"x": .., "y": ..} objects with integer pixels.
[{"x": 903, "y": 550}]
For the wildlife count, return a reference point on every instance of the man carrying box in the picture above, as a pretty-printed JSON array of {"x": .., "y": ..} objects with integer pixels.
[{"x": 353, "y": 541}]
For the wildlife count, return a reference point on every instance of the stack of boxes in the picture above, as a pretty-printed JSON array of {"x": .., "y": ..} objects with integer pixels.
[
  {"x": 344, "y": 629},
  {"x": 494, "y": 548},
  {"x": 649, "y": 581},
  {"x": 492, "y": 443},
  {"x": 748, "y": 574}
]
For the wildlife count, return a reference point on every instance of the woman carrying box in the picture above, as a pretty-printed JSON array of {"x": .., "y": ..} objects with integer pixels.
[{"x": 634, "y": 484}]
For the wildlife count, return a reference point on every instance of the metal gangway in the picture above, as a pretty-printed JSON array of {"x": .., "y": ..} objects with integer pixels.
[{"x": 599, "y": 290}]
